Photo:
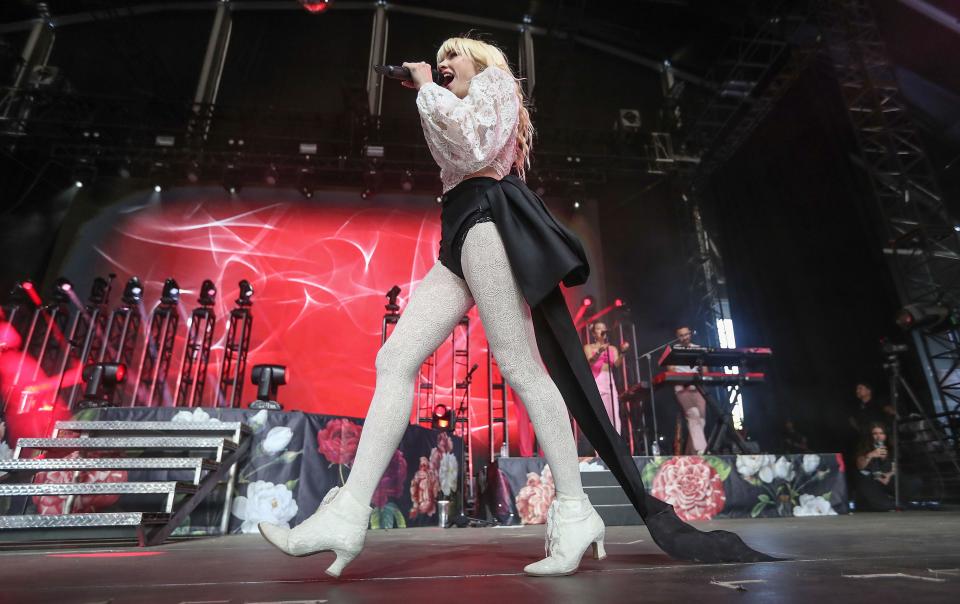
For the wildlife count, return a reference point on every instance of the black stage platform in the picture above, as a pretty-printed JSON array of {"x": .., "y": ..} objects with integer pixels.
[{"x": 887, "y": 557}]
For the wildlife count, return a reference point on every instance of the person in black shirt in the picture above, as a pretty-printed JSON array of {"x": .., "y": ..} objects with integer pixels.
[{"x": 868, "y": 410}]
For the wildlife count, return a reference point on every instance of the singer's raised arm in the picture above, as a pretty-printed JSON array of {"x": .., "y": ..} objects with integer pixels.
[{"x": 468, "y": 133}]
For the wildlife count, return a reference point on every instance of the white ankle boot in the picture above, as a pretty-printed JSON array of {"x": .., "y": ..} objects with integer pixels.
[
  {"x": 340, "y": 524},
  {"x": 572, "y": 526}
]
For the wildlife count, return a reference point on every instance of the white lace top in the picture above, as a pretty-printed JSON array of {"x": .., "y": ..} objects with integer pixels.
[{"x": 470, "y": 134}]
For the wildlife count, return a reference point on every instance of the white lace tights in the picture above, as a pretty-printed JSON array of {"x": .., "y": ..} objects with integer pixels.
[{"x": 434, "y": 309}]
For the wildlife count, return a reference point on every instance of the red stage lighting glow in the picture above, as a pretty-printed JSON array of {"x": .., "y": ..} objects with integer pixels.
[
  {"x": 316, "y": 6},
  {"x": 121, "y": 373},
  {"x": 587, "y": 301},
  {"x": 32, "y": 292},
  {"x": 618, "y": 302}
]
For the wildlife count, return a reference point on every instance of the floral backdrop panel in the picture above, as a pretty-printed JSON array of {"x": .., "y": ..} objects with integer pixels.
[{"x": 699, "y": 487}]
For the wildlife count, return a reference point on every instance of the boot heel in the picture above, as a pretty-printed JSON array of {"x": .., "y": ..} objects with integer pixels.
[
  {"x": 343, "y": 559},
  {"x": 598, "y": 552}
]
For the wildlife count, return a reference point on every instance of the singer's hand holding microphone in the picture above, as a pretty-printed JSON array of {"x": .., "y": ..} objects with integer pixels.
[{"x": 420, "y": 74}]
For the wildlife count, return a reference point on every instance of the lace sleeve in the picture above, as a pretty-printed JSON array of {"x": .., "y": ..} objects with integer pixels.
[{"x": 470, "y": 132}]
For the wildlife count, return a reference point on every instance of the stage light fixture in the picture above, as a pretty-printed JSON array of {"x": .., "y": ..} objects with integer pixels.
[
  {"x": 307, "y": 182},
  {"x": 618, "y": 303},
  {"x": 133, "y": 292},
  {"x": 193, "y": 172},
  {"x": 443, "y": 419},
  {"x": 392, "y": 295},
  {"x": 316, "y": 6},
  {"x": 99, "y": 290},
  {"x": 171, "y": 293},
  {"x": 246, "y": 294},
  {"x": 576, "y": 205},
  {"x": 271, "y": 176},
  {"x": 208, "y": 293},
  {"x": 84, "y": 173},
  {"x": 101, "y": 380},
  {"x": 268, "y": 379},
  {"x": 406, "y": 181},
  {"x": 62, "y": 290},
  {"x": 929, "y": 317},
  {"x": 232, "y": 179},
  {"x": 588, "y": 301},
  {"x": 159, "y": 176},
  {"x": 371, "y": 181},
  {"x": 26, "y": 290}
]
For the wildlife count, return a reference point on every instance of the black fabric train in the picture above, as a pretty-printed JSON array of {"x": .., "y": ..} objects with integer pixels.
[{"x": 543, "y": 253}]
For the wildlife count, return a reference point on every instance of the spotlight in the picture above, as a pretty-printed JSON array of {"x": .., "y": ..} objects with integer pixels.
[
  {"x": 588, "y": 301},
  {"x": 208, "y": 293},
  {"x": 246, "y": 294},
  {"x": 84, "y": 173},
  {"x": 316, "y": 6},
  {"x": 407, "y": 181},
  {"x": 618, "y": 302},
  {"x": 576, "y": 205},
  {"x": 102, "y": 380},
  {"x": 271, "y": 176},
  {"x": 26, "y": 289},
  {"x": 133, "y": 292},
  {"x": 99, "y": 291},
  {"x": 159, "y": 176},
  {"x": 232, "y": 179},
  {"x": 392, "y": 306},
  {"x": 171, "y": 293},
  {"x": 931, "y": 317},
  {"x": 307, "y": 182},
  {"x": 268, "y": 379},
  {"x": 443, "y": 418},
  {"x": 371, "y": 181},
  {"x": 62, "y": 290},
  {"x": 193, "y": 172}
]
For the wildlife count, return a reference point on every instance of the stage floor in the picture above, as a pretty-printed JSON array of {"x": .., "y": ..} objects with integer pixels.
[{"x": 834, "y": 559}]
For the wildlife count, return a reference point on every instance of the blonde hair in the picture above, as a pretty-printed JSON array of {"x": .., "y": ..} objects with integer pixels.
[{"x": 486, "y": 55}]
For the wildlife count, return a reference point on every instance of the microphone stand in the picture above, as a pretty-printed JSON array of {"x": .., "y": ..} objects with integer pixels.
[
  {"x": 653, "y": 405},
  {"x": 462, "y": 520}
]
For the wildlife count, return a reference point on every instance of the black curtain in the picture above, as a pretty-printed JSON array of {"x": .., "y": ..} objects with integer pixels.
[{"x": 797, "y": 227}]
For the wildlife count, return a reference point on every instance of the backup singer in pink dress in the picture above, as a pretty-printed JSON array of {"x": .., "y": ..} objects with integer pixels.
[{"x": 603, "y": 357}]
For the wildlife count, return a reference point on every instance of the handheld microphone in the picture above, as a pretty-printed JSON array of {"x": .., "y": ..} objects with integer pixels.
[{"x": 398, "y": 72}]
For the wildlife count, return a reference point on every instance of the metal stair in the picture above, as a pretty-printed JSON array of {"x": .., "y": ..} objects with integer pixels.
[{"x": 208, "y": 451}]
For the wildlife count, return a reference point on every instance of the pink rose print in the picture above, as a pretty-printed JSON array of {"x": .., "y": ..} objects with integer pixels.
[
  {"x": 391, "y": 484},
  {"x": 691, "y": 486},
  {"x": 423, "y": 490},
  {"x": 82, "y": 504},
  {"x": 338, "y": 440},
  {"x": 444, "y": 443},
  {"x": 535, "y": 498}
]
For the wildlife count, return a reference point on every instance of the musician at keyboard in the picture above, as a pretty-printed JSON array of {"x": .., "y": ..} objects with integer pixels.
[{"x": 689, "y": 398}]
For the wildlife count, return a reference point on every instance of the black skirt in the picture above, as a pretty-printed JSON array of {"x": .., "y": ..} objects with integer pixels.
[{"x": 543, "y": 254}]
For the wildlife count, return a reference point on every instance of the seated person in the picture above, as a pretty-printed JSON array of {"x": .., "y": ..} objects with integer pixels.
[
  {"x": 876, "y": 474},
  {"x": 793, "y": 440}
]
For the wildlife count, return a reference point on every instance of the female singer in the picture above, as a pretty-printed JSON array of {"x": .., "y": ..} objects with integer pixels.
[
  {"x": 603, "y": 357},
  {"x": 501, "y": 250}
]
